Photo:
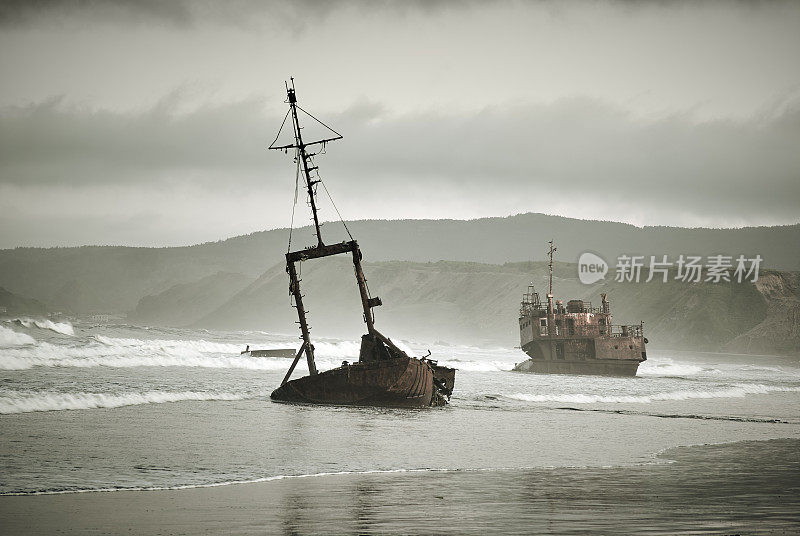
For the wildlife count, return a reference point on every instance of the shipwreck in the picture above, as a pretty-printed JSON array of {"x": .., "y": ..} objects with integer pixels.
[
  {"x": 384, "y": 375},
  {"x": 576, "y": 338}
]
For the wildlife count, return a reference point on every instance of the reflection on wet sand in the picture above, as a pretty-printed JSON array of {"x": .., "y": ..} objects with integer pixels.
[{"x": 718, "y": 489}]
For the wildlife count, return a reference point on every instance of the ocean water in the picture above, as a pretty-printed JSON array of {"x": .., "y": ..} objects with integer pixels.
[{"x": 111, "y": 407}]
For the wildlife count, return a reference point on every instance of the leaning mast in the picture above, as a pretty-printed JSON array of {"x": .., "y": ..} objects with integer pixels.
[
  {"x": 321, "y": 249},
  {"x": 294, "y": 281}
]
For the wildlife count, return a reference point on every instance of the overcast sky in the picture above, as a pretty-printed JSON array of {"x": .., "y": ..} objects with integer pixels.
[{"x": 146, "y": 123}]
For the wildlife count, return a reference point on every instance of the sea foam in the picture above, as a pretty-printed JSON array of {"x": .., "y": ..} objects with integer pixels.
[
  {"x": 668, "y": 368},
  {"x": 64, "y": 328},
  {"x": 26, "y": 402},
  {"x": 738, "y": 391},
  {"x": 10, "y": 338},
  {"x": 127, "y": 352}
]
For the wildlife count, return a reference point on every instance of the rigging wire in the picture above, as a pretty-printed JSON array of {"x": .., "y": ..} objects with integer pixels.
[
  {"x": 278, "y": 135},
  {"x": 318, "y": 121},
  {"x": 336, "y": 209}
]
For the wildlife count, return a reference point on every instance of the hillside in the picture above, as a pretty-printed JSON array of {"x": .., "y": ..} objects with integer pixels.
[
  {"x": 779, "y": 331},
  {"x": 12, "y": 304},
  {"x": 477, "y": 303},
  {"x": 114, "y": 278},
  {"x": 185, "y": 303}
]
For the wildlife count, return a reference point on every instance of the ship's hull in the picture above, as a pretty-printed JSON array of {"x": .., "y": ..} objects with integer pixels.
[
  {"x": 402, "y": 382},
  {"x": 609, "y": 356},
  {"x": 595, "y": 367}
]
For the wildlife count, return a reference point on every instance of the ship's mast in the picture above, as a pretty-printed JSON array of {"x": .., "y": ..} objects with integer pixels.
[
  {"x": 301, "y": 149},
  {"x": 293, "y": 257},
  {"x": 550, "y": 254},
  {"x": 304, "y": 155},
  {"x": 551, "y": 321}
]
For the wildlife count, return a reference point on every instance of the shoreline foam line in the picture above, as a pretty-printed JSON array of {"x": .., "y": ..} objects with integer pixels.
[
  {"x": 736, "y": 391},
  {"x": 227, "y": 482},
  {"x": 29, "y": 402}
]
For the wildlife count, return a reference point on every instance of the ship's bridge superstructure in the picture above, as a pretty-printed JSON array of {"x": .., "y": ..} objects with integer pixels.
[{"x": 577, "y": 318}]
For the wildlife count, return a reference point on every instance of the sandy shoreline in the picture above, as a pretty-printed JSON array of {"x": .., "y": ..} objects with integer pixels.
[{"x": 747, "y": 487}]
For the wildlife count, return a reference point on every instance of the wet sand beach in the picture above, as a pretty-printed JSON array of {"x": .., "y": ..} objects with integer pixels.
[{"x": 749, "y": 487}]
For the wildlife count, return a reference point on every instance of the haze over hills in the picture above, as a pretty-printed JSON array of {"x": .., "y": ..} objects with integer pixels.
[
  {"x": 185, "y": 303},
  {"x": 114, "y": 278},
  {"x": 469, "y": 293},
  {"x": 474, "y": 303},
  {"x": 10, "y": 302}
]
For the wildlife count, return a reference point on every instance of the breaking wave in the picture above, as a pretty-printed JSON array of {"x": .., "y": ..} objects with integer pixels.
[
  {"x": 738, "y": 391},
  {"x": 668, "y": 368},
  {"x": 337, "y": 350},
  {"x": 26, "y": 402},
  {"x": 64, "y": 328},
  {"x": 9, "y": 337},
  {"x": 122, "y": 353}
]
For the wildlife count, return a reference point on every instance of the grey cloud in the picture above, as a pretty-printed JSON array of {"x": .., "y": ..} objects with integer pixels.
[
  {"x": 183, "y": 12},
  {"x": 580, "y": 147},
  {"x": 49, "y": 143},
  {"x": 30, "y": 12},
  {"x": 571, "y": 148},
  {"x": 294, "y": 14}
]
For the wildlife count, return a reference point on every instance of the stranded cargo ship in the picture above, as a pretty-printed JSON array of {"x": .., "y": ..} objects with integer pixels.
[{"x": 577, "y": 338}]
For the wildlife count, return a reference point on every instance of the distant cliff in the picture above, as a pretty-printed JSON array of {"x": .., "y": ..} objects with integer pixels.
[{"x": 779, "y": 330}]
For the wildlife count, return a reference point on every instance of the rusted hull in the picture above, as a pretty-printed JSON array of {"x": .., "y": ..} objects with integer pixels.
[
  {"x": 602, "y": 356},
  {"x": 402, "y": 382},
  {"x": 444, "y": 378},
  {"x": 595, "y": 367}
]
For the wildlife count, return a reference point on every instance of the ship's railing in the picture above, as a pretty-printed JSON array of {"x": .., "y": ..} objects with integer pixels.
[
  {"x": 590, "y": 330},
  {"x": 632, "y": 330},
  {"x": 527, "y": 308}
]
